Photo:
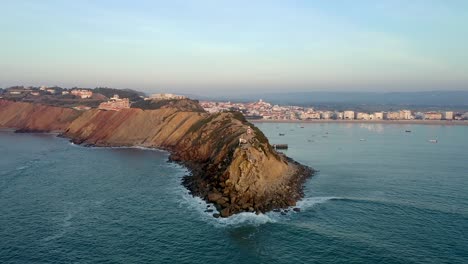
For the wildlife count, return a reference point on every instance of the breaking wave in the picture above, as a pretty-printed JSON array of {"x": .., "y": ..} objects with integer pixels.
[{"x": 309, "y": 202}]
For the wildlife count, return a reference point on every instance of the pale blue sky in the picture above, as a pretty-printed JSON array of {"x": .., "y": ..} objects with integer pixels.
[{"x": 197, "y": 46}]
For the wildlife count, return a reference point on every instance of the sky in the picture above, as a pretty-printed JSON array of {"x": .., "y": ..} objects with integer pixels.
[{"x": 227, "y": 47}]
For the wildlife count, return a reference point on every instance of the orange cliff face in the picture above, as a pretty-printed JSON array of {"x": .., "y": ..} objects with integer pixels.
[
  {"x": 232, "y": 163},
  {"x": 29, "y": 117}
]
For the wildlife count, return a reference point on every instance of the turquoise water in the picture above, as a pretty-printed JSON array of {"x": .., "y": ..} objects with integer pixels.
[{"x": 381, "y": 196}]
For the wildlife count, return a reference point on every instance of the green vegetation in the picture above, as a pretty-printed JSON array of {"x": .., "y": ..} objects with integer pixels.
[
  {"x": 124, "y": 93},
  {"x": 179, "y": 104},
  {"x": 239, "y": 116},
  {"x": 151, "y": 105},
  {"x": 259, "y": 135},
  {"x": 200, "y": 123}
]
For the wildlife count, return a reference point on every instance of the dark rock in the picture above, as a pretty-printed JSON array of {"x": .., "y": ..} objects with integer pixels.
[
  {"x": 216, "y": 215},
  {"x": 209, "y": 210},
  {"x": 225, "y": 212},
  {"x": 297, "y": 209},
  {"x": 214, "y": 197},
  {"x": 221, "y": 202}
]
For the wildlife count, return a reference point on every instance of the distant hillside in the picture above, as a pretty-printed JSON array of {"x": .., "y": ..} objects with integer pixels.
[
  {"x": 123, "y": 93},
  {"x": 429, "y": 99},
  {"x": 179, "y": 104}
]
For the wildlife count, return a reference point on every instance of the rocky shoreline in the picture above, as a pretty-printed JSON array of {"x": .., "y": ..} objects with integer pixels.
[{"x": 284, "y": 197}]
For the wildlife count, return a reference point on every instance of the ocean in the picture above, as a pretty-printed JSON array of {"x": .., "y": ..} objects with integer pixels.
[{"x": 382, "y": 195}]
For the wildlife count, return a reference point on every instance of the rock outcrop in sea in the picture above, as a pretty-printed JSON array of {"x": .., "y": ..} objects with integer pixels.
[{"x": 232, "y": 163}]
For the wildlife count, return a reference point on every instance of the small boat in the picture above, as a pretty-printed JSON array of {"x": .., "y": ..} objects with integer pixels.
[
  {"x": 433, "y": 140},
  {"x": 408, "y": 131},
  {"x": 362, "y": 139},
  {"x": 281, "y": 134},
  {"x": 302, "y": 127}
]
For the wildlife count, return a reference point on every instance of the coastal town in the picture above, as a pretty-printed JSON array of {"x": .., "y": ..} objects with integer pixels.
[
  {"x": 262, "y": 110},
  {"x": 85, "y": 99}
]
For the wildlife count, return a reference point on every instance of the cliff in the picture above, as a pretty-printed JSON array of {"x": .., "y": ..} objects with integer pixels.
[
  {"x": 27, "y": 117},
  {"x": 231, "y": 161}
]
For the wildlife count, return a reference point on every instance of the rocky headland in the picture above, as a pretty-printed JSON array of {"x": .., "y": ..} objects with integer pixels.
[{"x": 231, "y": 161}]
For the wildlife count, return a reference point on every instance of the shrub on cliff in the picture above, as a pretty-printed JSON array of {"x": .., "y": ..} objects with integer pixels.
[{"x": 186, "y": 105}]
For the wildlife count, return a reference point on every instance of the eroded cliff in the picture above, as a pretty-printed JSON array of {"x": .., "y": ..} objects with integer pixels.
[
  {"x": 231, "y": 161},
  {"x": 27, "y": 117}
]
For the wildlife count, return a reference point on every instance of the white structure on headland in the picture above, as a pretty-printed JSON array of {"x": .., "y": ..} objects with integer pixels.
[
  {"x": 166, "y": 96},
  {"x": 82, "y": 93},
  {"x": 115, "y": 103}
]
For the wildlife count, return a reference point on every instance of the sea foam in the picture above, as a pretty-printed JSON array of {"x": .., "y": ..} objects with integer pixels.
[{"x": 310, "y": 202}]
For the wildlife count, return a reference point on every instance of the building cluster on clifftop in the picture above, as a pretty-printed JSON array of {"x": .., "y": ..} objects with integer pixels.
[
  {"x": 266, "y": 111},
  {"x": 115, "y": 103},
  {"x": 82, "y": 99},
  {"x": 166, "y": 96}
]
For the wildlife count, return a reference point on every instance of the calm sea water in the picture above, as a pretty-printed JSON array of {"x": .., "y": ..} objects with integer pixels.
[{"x": 382, "y": 196}]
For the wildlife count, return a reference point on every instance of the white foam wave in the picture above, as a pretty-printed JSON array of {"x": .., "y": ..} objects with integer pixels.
[
  {"x": 132, "y": 147},
  {"x": 307, "y": 203},
  {"x": 66, "y": 223},
  {"x": 122, "y": 147},
  {"x": 242, "y": 219}
]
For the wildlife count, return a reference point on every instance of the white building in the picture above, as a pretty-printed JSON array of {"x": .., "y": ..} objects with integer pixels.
[
  {"x": 448, "y": 115},
  {"x": 310, "y": 115},
  {"x": 326, "y": 115},
  {"x": 392, "y": 115},
  {"x": 378, "y": 116},
  {"x": 82, "y": 93},
  {"x": 339, "y": 115},
  {"x": 433, "y": 116},
  {"x": 166, "y": 96},
  {"x": 348, "y": 115},
  {"x": 405, "y": 115},
  {"x": 362, "y": 116}
]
